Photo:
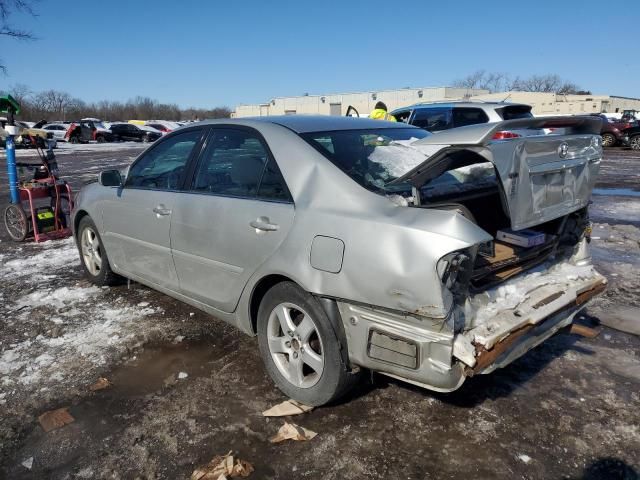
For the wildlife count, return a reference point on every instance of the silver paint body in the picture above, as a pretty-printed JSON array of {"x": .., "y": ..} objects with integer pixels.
[{"x": 336, "y": 240}]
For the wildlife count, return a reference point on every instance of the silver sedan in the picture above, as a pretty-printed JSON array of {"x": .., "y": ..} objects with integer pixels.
[{"x": 350, "y": 244}]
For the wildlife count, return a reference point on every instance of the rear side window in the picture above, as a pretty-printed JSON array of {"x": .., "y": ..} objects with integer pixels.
[
  {"x": 514, "y": 112},
  {"x": 468, "y": 116},
  {"x": 237, "y": 163},
  {"x": 433, "y": 119}
]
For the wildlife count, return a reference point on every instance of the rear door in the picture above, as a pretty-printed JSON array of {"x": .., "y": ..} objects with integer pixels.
[
  {"x": 137, "y": 217},
  {"x": 234, "y": 217}
]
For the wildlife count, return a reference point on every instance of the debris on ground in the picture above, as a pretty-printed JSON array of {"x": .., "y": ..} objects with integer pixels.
[
  {"x": 28, "y": 463},
  {"x": 221, "y": 468},
  {"x": 291, "y": 431},
  {"x": 182, "y": 375},
  {"x": 288, "y": 407},
  {"x": 55, "y": 419},
  {"x": 524, "y": 458},
  {"x": 100, "y": 384}
]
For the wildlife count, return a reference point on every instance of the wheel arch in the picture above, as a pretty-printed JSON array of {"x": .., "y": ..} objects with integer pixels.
[
  {"x": 79, "y": 215},
  {"x": 329, "y": 306}
]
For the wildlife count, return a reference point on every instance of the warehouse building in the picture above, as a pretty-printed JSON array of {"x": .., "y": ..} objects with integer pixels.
[
  {"x": 557, "y": 104},
  {"x": 364, "y": 102}
]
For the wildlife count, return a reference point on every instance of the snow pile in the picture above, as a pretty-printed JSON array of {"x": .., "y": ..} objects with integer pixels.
[
  {"x": 397, "y": 158},
  {"x": 510, "y": 294}
]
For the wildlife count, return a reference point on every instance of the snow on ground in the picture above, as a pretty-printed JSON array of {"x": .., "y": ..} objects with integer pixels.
[
  {"x": 58, "y": 329},
  {"x": 65, "y": 148}
]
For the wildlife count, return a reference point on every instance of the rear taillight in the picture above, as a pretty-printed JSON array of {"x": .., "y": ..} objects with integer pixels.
[{"x": 505, "y": 134}]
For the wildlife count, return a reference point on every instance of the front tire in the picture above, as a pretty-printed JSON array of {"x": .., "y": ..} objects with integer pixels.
[
  {"x": 634, "y": 142},
  {"x": 608, "y": 140},
  {"x": 299, "y": 346},
  {"x": 93, "y": 255}
]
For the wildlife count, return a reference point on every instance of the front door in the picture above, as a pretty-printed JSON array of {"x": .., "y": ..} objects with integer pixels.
[
  {"x": 137, "y": 217},
  {"x": 237, "y": 213}
]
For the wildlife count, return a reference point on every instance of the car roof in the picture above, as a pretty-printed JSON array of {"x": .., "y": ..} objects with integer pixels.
[
  {"x": 314, "y": 123},
  {"x": 482, "y": 105}
]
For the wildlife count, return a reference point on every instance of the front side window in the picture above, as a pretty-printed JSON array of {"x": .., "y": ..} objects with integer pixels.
[
  {"x": 237, "y": 163},
  {"x": 433, "y": 119},
  {"x": 372, "y": 158},
  {"x": 162, "y": 167}
]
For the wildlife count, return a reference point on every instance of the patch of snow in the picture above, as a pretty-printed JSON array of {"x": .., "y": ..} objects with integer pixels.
[
  {"x": 28, "y": 463},
  {"x": 182, "y": 375}
]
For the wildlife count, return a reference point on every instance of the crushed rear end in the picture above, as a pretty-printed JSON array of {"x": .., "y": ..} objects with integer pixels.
[{"x": 510, "y": 298}]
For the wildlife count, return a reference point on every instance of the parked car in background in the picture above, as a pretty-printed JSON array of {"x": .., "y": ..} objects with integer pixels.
[
  {"x": 163, "y": 125},
  {"x": 59, "y": 130},
  {"x": 611, "y": 135},
  {"x": 87, "y": 130},
  {"x": 29, "y": 136},
  {"x": 348, "y": 244},
  {"x": 435, "y": 117},
  {"x": 632, "y": 137},
  {"x": 135, "y": 133}
]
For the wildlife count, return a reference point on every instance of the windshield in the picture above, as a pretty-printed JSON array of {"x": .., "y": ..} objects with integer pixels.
[{"x": 372, "y": 157}]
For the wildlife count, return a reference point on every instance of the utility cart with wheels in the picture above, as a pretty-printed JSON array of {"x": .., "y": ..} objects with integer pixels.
[{"x": 41, "y": 204}]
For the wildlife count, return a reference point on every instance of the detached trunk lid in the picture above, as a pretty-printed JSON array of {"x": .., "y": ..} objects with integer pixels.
[{"x": 543, "y": 176}]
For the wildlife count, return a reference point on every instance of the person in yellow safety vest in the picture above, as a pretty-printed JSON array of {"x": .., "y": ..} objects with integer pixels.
[{"x": 380, "y": 113}]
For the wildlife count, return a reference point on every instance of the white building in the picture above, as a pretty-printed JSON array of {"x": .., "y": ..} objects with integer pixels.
[
  {"x": 364, "y": 102},
  {"x": 557, "y": 104}
]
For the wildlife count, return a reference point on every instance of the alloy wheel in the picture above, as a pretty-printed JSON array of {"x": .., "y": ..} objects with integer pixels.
[
  {"x": 295, "y": 345},
  {"x": 91, "y": 251}
]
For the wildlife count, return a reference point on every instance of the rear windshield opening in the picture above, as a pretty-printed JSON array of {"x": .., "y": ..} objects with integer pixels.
[{"x": 514, "y": 112}]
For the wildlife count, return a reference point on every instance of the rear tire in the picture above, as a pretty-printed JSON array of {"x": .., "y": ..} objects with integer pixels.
[
  {"x": 304, "y": 361},
  {"x": 100, "y": 139},
  {"x": 634, "y": 142},
  {"x": 93, "y": 255},
  {"x": 74, "y": 139},
  {"x": 608, "y": 140}
]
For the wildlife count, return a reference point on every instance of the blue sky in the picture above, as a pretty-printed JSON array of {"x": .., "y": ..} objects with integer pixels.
[{"x": 197, "y": 53}]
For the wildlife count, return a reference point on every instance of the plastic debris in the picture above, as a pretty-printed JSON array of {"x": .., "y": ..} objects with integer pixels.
[
  {"x": 524, "y": 458},
  {"x": 55, "y": 419},
  {"x": 28, "y": 463},
  {"x": 223, "y": 467},
  {"x": 182, "y": 375},
  {"x": 291, "y": 431},
  {"x": 100, "y": 384},
  {"x": 288, "y": 407}
]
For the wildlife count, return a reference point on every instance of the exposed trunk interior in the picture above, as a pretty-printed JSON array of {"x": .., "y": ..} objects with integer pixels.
[{"x": 481, "y": 202}]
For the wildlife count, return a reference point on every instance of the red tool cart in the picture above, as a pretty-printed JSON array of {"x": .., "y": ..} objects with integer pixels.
[{"x": 45, "y": 203}]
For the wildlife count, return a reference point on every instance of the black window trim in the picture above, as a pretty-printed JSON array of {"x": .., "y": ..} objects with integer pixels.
[
  {"x": 195, "y": 163},
  {"x": 194, "y": 152}
]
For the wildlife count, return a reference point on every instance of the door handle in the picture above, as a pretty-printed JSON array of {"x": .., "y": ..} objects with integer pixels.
[
  {"x": 161, "y": 210},
  {"x": 263, "y": 224}
]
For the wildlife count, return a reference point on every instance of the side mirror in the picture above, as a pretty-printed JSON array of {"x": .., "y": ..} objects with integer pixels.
[{"x": 110, "y": 178}]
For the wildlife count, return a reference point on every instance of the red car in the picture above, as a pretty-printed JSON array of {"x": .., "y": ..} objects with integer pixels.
[{"x": 610, "y": 133}]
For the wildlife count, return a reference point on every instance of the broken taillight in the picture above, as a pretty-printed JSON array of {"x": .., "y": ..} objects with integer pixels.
[{"x": 505, "y": 134}]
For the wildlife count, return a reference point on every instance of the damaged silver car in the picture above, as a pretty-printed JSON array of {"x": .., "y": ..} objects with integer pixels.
[{"x": 349, "y": 244}]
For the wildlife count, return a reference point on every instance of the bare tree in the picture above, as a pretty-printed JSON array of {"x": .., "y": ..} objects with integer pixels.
[
  {"x": 500, "y": 82},
  {"x": 7, "y": 8}
]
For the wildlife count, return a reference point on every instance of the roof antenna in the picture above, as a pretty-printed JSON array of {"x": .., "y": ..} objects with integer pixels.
[{"x": 505, "y": 98}]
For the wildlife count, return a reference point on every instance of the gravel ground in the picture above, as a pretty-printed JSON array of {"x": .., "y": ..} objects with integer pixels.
[{"x": 567, "y": 409}]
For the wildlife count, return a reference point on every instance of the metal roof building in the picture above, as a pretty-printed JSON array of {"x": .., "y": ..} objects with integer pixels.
[{"x": 364, "y": 102}]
